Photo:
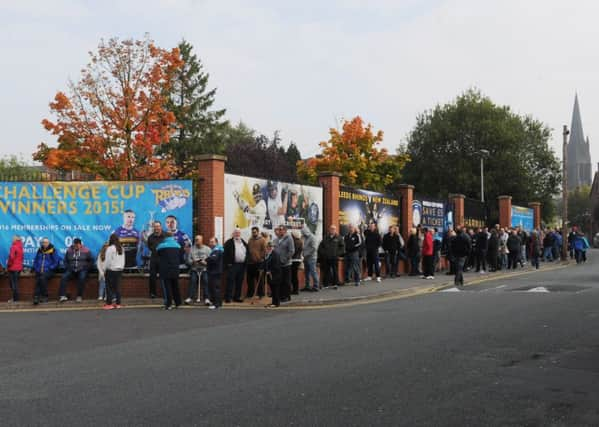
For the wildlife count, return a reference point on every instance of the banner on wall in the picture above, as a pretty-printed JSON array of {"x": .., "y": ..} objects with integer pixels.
[
  {"x": 92, "y": 211},
  {"x": 362, "y": 207},
  {"x": 267, "y": 204},
  {"x": 475, "y": 215},
  {"x": 430, "y": 214},
  {"x": 523, "y": 218}
]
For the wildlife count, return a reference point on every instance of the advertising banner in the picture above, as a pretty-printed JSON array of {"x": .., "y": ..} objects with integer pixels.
[
  {"x": 474, "y": 214},
  {"x": 430, "y": 214},
  {"x": 523, "y": 218},
  {"x": 362, "y": 207},
  {"x": 92, "y": 211},
  {"x": 267, "y": 204}
]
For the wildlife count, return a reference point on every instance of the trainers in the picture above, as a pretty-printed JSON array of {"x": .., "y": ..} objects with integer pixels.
[
  {"x": 367, "y": 279},
  {"x": 207, "y": 302},
  {"x": 117, "y": 306},
  {"x": 378, "y": 279},
  {"x": 199, "y": 300},
  {"x": 188, "y": 301},
  {"x": 100, "y": 298},
  {"x": 108, "y": 307},
  {"x": 79, "y": 299},
  {"x": 212, "y": 307},
  {"x": 62, "y": 299},
  {"x": 430, "y": 277}
]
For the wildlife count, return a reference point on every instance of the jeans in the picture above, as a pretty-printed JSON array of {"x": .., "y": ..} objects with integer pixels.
[
  {"x": 310, "y": 272},
  {"x": 512, "y": 261},
  {"x": 391, "y": 262},
  {"x": 481, "y": 260},
  {"x": 41, "y": 284},
  {"x": 459, "y": 271},
  {"x": 548, "y": 253},
  {"x": 153, "y": 276},
  {"x": 101, "y": 287},
  {"x": 294, "y": 279},
  {"x": 197, "y": 285},
  {"x": 428, "y": 266},
  {"x": 214, "y": 288},
  {"x": 171, "y": 284},
  {"x": 331, "y": 272},
  {"x": 372, "y": 260},
  {"x": 113, "y": 286},
  {"x": 81, "y": 275},
  {"x": 535, "y": 259},
  {"x": 415, "y": 265},
  {"x": 503, "y": 264},
  {"x": 14, "y": 284},
  {"x": 234, "y": 281},
  {"x": 353, "y": 267},
  {"x": 285, "y": 287}
]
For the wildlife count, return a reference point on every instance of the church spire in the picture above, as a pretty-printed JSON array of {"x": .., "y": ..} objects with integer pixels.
[
  {"x": 579, "y": 156},
  {"x": 576, "y": 132}
]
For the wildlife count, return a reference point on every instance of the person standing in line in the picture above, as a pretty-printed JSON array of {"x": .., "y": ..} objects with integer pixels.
[
  {"x": 372, "y": 241},
  {"x": 14, "y": 265},
  {"x": 113, "y": 263},
  {"x": 235, "y": 257},
  {"x": 503, "y": 250},
  {"x": 571, "y": 239},
  {"x": 437, "y": 245},
  {"x": 101, "y": 276},
  {"x": 285, "y": 249},
  {"x": 390, "y": 246},
  {"x": 535, "y": 249},
  {"x": 329, "y": 251},
  {"x": 214, "y": 268},
  {"x": 195, "y": 257},
  {"x": 255, "y": 263},
  {"x": 296, "y": 260},
  {"x": 460, "y": 250},
  {"x": 309, "y": 260},
  {"x": 274, "y": 274},
  {"x": 154, "y": 240},
  {"x": 513, "y": 246},
  {"x": 45, "y": 262},
  {"x": 169, "y": 257},
  {"x": 353, "y": 242},
  {"x": 451, "y": 235},
  {"x": 78, "y": 260},
  {"x": 428, "y": 255},
  {"x": 482, "y": 247},
  {"x": 493, "y": 253},
  {"x": 413, "y": 253}
]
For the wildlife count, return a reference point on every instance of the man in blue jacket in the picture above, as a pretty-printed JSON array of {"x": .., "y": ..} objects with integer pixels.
[
  {"x": 45, "y": 262},
  {"x": 169, "y": 253},
  {"x": 214, "y": 269}
]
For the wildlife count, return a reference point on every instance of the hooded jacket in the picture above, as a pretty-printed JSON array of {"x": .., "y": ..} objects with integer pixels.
[
  {"x": 46, "y": 260},
  {"x": 309, "y": 244},
  {"x": 15, "y": 256},
  {"x": 427, "y": 245},
  {"x": 169, "y": 252},
  {"x": 215, "y": 261},
  {"x": 78, "y": 260}
]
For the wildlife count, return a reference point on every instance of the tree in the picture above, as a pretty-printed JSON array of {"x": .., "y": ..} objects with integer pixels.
[
  {"x": 579, "y": 207},
  {"x": 13, "y": 168},
  {"x": 114, "y": 119},
  {"x": 355, "y": 153},
  {"x": 445, "y": 148},
  {"x": 199, "y": 129},
  {"x": 258, "y": 156}
]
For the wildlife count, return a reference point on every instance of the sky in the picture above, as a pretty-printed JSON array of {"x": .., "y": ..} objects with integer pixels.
[{"x": 303, "y": 67}]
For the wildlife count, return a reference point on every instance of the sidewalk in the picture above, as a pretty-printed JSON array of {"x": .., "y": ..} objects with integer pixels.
[{"x": 370, "y": 290}]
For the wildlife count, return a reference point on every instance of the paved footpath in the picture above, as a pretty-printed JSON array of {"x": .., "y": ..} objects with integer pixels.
[{"x": 403, "y": 287}]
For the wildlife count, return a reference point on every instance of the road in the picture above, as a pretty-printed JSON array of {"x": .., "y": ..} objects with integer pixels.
[{"x": 495, "y": 354}]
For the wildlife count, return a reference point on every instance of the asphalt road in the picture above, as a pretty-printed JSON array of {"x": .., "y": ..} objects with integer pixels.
[{"x": 496, "y": 354}]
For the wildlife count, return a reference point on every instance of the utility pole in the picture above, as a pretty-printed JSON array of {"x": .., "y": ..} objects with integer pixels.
[
  {"x": 483, "y": 154},
  {"x": 565, "y": 134}
]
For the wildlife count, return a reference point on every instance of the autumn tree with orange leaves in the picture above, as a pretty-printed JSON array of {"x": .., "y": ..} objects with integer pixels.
[
  {"x": 112, "y": 122},
  {"x": 355, "y": 153}
]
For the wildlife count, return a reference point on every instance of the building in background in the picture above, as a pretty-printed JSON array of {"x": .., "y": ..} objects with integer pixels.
[{"x": 579, "y": 156}]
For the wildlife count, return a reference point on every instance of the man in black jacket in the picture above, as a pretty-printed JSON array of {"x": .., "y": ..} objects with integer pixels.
[
  {"x": 460, "y": 250},
  {"x": 482, "y": 246},
  {"x": 373, "y": 241},
  {"x": 329, "y": 251},
  {"x": 154, "y": 240},
  {"x": 169, "y": 257},
  {"x": 392, "y": 245},
  {"x": 274, "y": 274},
  {"x": 214, "y": 268},
  {"x": 235, "y": 258},
  {"x": 353, "y": 242}
]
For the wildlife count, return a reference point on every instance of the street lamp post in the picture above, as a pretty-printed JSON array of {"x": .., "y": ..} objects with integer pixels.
[
  {"x": 483, "y": 154},
  {"x": 565, "y": 134}
]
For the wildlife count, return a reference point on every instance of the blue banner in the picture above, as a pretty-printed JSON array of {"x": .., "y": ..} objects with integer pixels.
[
  {"x": 92, "y": 211},
  {"x": 430, "y": 214},
  {"x": 523, "y": 218}
]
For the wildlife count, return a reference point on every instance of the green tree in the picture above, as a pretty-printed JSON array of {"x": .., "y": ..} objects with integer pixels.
[
  {"x": 199, "y": 128},
  {"x": 579, "y": 207},
  {"x": 445, "y": 150},
  {"x": 14, "y": 168}
]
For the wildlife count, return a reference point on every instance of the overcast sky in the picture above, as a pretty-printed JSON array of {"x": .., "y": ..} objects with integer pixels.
[{"x": 301, "y": 67}]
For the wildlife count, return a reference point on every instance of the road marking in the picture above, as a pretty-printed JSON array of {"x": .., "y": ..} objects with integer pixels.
[{"x": 538, "y": 289}]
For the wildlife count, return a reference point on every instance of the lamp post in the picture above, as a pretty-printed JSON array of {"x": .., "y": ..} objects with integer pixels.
[
  {"x": 565, "y": 134},
  {"x": 483, "y": 154}
]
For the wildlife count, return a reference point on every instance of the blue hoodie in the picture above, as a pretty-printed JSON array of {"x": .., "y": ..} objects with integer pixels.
[{"x": 215, "y": 261}]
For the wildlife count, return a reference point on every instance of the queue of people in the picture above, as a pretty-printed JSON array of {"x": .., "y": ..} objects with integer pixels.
[{"x": 270, "y": 265}]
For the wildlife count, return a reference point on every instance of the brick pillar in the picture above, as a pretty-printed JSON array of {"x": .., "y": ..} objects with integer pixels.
[
  {"x": 458, "y": 208},
  {"x": 505, "y": 211},
  {"x": 330, "y": 181},
  {"x": 536, "y": 206},
  {"x": 211, "y": 197},
  {"x": 407, "y": 197}
]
